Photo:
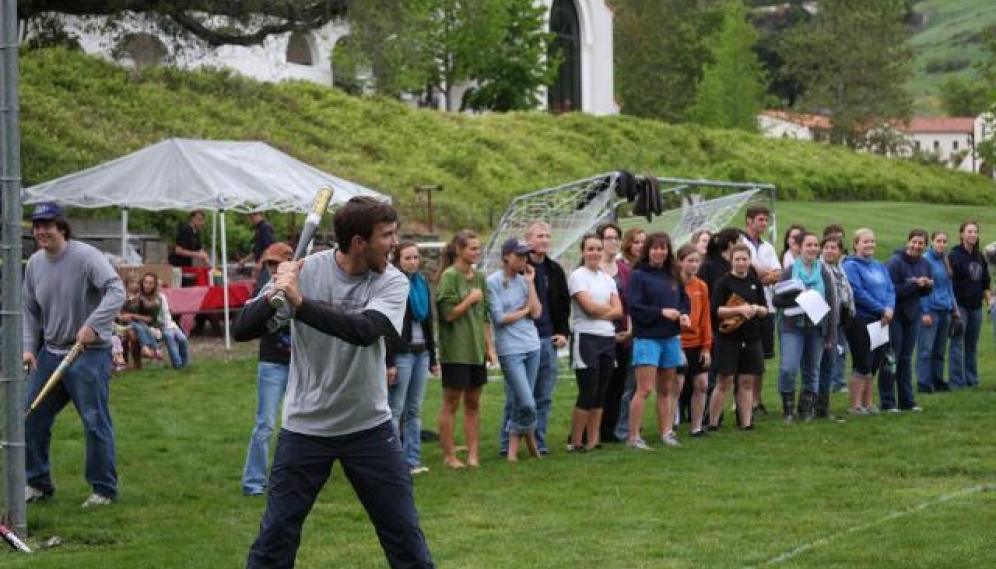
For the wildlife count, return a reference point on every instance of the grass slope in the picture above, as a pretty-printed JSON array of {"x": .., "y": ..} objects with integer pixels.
[
  {"x": 78, "y": 111},
  {"x": 950, "y": 36},
  {"x": 909, "y": 490}
]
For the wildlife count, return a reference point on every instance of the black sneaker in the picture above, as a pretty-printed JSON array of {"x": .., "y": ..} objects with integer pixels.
[{"x": 700, "y": 433}]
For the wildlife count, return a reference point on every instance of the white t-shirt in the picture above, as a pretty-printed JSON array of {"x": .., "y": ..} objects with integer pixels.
[
  {"x": 600, "y": 287},
  {"x": 764, "y": 258},
  {"x": 334, "y": 387}
]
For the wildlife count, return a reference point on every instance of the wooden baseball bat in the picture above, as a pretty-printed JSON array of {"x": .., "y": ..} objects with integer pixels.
[
  {"x": 318, "y": 208},
  {"x": 53, "y": 379}
]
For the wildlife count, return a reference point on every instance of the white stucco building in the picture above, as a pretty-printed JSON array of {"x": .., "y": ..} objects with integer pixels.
[
  {"x": 951, "y": 139},
  {"x": 583, "y": 31}
]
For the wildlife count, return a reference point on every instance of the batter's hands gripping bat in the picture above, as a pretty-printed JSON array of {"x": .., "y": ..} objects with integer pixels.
[
  {"x": 318, "y": 208},
  {"x": 53, "y": 380}
]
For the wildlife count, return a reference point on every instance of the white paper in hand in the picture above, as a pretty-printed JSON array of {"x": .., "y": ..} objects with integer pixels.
[
  {"x": 878, "y": 334},
  {"x": 813, "y": 304}
]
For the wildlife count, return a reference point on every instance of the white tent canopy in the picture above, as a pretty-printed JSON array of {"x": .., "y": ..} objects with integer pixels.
[{"x": 198, "y": 174}]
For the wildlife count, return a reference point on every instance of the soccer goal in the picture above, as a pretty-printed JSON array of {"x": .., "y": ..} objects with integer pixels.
[{"x": 574, "y": 209}]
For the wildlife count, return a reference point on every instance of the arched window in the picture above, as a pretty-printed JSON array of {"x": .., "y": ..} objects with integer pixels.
[
  {"x": 565, "y": 94},
  {"x": 348, "y": 71},
  {"x": 141, "y": 50},
  {"x": 299, "y": 49}
]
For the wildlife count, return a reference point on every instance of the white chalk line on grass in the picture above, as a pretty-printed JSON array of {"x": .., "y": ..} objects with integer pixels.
[{"x": 888, "y": 518}]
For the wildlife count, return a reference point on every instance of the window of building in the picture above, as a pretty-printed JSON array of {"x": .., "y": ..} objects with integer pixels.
[
  {"x": 141, "y": 50},
  {"x": 937, "y": 145},
  {"x": 565, "y": 94},
  {"x": 299, "y": 49},
  {"x": 954, "y": 145}
]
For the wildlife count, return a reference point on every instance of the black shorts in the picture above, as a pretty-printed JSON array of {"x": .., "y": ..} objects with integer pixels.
[
  {"x": 735, "y": 357},
  {"x": 464, "y": 376},
  {"x": 693, "y": 366},
  {"x": 864, "y": 361}
]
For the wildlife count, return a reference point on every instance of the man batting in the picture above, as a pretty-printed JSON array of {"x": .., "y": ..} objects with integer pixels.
[{"x": 344, "y": 303}]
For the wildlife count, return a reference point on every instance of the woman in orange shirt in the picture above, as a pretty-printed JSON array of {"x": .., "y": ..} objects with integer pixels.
[{"x": 696, "y": 339}]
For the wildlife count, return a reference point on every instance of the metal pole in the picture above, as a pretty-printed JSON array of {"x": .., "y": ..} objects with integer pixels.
[
  {"x": 124, "y": 235},
  {"x": 224, "y": 278},
  {"x": 11, "y": 343},
  {"x": 428, "y": 189}
]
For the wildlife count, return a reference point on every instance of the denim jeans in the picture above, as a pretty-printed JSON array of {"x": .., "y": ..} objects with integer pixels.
[
  {"x": 931, "y": 346},
  {"x": 176, "y": 345},
  {"x": 373, "y": 463},
  {"x": 902, "y": 337},
  {"x": 801, "y": 351},
  {"x": 546, "y": 383},
  {"x": 833, "y": 364},
  {"x": 622, "y": 424},
  {"x": 271, "y": 382},
  {"x": 87, "y": 384},
  {"x": 963, "y": 365},
  {"x": 520, "y": 380},
  {"x": 144, "y": 333},
  {"x": 405, "y": 398}
]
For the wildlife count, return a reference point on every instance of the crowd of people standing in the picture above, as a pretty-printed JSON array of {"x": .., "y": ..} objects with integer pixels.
[{"x": 695, "y": 324}]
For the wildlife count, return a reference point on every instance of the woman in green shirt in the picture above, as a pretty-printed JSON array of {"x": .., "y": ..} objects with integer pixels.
[{"x": 465, "y": 344}]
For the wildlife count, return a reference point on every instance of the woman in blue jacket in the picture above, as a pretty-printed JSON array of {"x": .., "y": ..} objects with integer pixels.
[
  {"x": 937, "y": 310},
  {"x": 970, "y": 282},
  {"x": 912, "y": 280},
  {"x": 659, "y": 308},
  {"x": 874, "y": 300}
]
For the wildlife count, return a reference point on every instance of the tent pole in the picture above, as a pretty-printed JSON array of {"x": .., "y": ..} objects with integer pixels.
[
  {"x": 124, "y": 235},
  {"x": 214, "y": 239},
  {"x": 224, "y": 279}
]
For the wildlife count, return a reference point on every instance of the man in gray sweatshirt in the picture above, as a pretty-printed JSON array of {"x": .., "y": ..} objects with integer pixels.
[{"x": 71, "y": 295}]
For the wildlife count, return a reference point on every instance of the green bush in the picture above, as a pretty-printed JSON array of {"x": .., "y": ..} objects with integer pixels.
[{"x": 78, "y": 111}]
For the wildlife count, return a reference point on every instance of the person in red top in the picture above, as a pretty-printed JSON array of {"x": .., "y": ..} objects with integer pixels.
[{"x": 696, "y": 339}]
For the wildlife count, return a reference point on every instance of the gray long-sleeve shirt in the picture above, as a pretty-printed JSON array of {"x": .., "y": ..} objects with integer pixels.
[{"x": 62, "y": 293}]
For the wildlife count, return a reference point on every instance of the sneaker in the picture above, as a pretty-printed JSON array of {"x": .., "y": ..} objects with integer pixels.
[
  {"x": 892, "y": 410},
  {"x": 96, "y": 499},
  {"x": 873, "y": 410},
  {"x": 914, "y": 409},
  {"x": 857, "y": 411},
  {"x": 32, "y": 494},
  {"x": 699, "y": 433},
  {"x": 639, "y": 444},
  {"x": 670, "y": 440},
  {"x": 579, "y": 448},
  {"x": 419, "y": 469}
]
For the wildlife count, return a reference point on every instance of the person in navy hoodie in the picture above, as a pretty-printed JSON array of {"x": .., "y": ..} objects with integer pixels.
[
  {"x": 659, "y": 308},
  {"x": 911, "y": 277},
  {"x": 874, "y": 299},
  {"x": 937, "y": 312},
  {"x": 970, "y": 280}
]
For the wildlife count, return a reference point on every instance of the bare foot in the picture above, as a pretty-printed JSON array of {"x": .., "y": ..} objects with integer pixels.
[
  {"x": 473, "y": 462},
  {"x": 531, "y": 446},
  {"x": 454, "y": 463}
]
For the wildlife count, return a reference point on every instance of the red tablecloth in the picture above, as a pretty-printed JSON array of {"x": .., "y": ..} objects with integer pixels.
[
  {"x": 194, "y": 299},
  {"x": 202, "y": 275}
]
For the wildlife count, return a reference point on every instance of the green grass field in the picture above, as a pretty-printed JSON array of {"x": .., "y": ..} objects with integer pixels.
[{"x": 908, "y": 490}]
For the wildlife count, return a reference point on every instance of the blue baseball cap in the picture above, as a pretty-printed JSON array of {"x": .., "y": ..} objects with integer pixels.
[
  {"x": 46, "y": 211},
  {"x": 517, "y": 246}
]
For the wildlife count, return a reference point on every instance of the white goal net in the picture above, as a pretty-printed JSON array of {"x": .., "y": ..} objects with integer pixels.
[{"x": 574, "y": 209}]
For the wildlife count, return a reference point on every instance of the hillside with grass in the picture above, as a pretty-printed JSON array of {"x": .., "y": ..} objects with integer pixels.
[
  {"x": 78, "y": 111},
  {"x": 947, "y": 44}
]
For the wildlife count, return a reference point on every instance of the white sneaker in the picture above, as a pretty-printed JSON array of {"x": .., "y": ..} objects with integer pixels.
[
  {"x": 640, "y": 444},
  {"x": 96, "y": 499},
  {"x": 670, "y": 440},
  {"x": 419, "y": 469},
  {"x": 32, "y": 494}
]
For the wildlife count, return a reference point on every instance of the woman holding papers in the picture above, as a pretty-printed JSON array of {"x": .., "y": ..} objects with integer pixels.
[
  {"x": 874, "y": 302},
  {"x": 807, "y": 316}
]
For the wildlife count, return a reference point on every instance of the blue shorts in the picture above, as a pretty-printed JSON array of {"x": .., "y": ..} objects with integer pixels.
[{"x": 663, "y": 353}]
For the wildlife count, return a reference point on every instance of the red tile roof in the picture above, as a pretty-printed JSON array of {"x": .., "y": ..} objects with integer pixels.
[{"x": 940, "y": 125}]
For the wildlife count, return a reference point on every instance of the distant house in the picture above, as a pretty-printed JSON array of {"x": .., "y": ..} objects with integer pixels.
[
  {"x": 582, "y": 28},
  {"x": 951, "y": 140}
]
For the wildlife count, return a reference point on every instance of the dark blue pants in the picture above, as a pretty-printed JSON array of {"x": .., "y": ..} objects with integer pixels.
[
  {"x": 902, "y": 336},
  {"x": 374, "y": 465}
]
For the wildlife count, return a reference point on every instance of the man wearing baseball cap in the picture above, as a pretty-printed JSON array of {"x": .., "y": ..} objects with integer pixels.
[{"x": 58, "y": 313}]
